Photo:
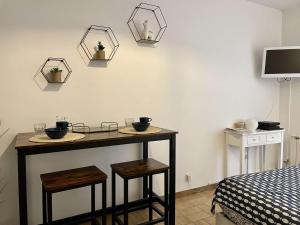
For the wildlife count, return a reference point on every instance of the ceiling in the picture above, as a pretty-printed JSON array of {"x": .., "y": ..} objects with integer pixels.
[{"x": 278, "y": 4}]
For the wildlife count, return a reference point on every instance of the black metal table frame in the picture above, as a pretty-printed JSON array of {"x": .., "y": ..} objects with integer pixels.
[{"x": 22, "y": 180}]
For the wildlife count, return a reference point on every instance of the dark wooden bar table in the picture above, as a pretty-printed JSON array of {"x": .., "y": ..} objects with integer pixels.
[{"x": 24, "y": 148}]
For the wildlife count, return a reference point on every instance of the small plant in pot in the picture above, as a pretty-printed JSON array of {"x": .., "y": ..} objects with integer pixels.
[
  {"x": 55, "y": 75},
  {"x": 100, "y": 53}
]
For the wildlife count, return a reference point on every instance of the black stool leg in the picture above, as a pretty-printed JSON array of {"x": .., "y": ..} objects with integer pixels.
[
  {"x": 166, "y": 197},
  {"x": 150, "y": 198},
  {"x": 44, "y": 202},
  {"x": 125, "y": 202},
  {"x": 93, "y": 204},
  {"x": 113, "y": 196},
  {"x": 104, "y": 203},
  {"x": 49, "y": 207}
]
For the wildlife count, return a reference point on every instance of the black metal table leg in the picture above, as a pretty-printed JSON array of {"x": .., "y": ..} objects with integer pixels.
[
  {"x": 150, "y": 198},
  {"x": 113, "y": 197},
  {"x": 44, "y": 200},
  {"x": 104, "y": 203},
  {"x": 172, "y": 162},
  {"x": 166, "y": 198},
  {"x": 22, "y": 189},
  {"x": 93, "y": 215},
  {"x": 145, "y": 178},
  {"x": 126, "y": 202},
  {"x": 49, "y": 207}
]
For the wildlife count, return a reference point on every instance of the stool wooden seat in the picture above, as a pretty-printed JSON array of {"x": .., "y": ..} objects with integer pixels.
[
  {"x": 72, "y": 179},
  {"x": 137, "y": 169}
]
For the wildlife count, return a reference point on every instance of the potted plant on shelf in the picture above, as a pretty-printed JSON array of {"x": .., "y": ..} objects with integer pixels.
[
  {"x": 100, "y": 53},
  {"x": 55, "y": 75}
]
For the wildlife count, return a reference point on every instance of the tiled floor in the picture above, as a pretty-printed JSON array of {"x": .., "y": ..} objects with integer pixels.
[{"x": 193, "y": 209}]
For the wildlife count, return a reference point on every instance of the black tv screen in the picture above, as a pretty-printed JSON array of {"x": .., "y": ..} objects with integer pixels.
[{"x": 282, "y": 62}]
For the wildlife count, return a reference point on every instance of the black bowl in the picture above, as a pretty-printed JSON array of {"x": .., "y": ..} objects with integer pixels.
[
  {"x": 138, "y": 126},
  {"x": 56, "y": 133}
]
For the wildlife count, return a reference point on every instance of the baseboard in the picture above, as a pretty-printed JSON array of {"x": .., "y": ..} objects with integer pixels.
[{"x": 196, "y": 190}]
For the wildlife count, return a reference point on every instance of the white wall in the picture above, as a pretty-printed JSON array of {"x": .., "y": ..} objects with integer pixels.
[
  {"x": 290, "y": 91},
  {"x": 203, "y": 76},
  {"x": 290, "y": 31}
]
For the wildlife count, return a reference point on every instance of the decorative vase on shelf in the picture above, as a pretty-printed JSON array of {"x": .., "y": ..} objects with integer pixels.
[
  {"x": 55, "y": 75},
  {"x": 99, "y": 55},
  {"x": 150, "y": 35},
  {"x": 145, "y": 32},
  {"x": 99, "y": 52},
  {"x": 251, "y": 124}
]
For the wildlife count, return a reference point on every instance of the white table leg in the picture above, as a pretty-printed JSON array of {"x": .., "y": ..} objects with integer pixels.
[
  {"x": 243, "y": 160},
  {"x": 247, "y": 158},
  {"x": 257, "y": 159},
  {"x": 226, "y": 158},
  {"x": 280, "y": 157},
  {"x": 261, "y": 158},
  {"x": 264, "y": 158}
]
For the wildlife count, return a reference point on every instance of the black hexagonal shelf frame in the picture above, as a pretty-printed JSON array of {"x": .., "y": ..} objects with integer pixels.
[
  {"x": 109, "y": 32},
  {"x": 60, "y": 61},
  {"x": 159, "y": 18}
]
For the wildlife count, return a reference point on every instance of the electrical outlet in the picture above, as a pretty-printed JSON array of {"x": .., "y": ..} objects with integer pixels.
[
  {"x": 188, "y": 178},
  {"x": 295, "y": 136}
]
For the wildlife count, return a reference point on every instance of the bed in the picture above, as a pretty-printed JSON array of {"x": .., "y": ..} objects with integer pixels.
[{"x": 271, "y": 197}]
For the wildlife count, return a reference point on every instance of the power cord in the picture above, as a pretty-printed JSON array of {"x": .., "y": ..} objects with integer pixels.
[
  {"x": 283, "y": 79},
  {"x": 280, "y": 80}
]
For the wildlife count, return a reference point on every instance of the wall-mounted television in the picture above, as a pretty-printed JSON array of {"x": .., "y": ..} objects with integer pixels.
[{"x": 281, "y": 62}]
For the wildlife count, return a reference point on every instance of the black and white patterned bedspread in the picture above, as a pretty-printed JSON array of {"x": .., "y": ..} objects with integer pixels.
[{"x": 271, "y": 197}]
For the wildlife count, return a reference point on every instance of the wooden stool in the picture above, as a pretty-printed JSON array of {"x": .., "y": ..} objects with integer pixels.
[
  {"x": 72, "y": 179},
  {"x": 137, "y": 169}
]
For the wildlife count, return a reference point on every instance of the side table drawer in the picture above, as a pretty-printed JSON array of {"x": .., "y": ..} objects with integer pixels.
[
  {"x": 253, "y": 140},
  {"x": 274, "y": 138}
]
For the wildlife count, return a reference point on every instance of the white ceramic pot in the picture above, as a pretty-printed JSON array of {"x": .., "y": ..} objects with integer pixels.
[{"x": 251, "y": 124}]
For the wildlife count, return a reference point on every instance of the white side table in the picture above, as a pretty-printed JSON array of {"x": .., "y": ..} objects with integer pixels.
[{"x": 245, "y": 139}]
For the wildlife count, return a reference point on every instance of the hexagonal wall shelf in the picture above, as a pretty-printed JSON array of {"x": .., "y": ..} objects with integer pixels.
[
  {"x": 56, "y": 70},
  {"x": 147, "y": 23},
  {"x": 96, "y": 41}
]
